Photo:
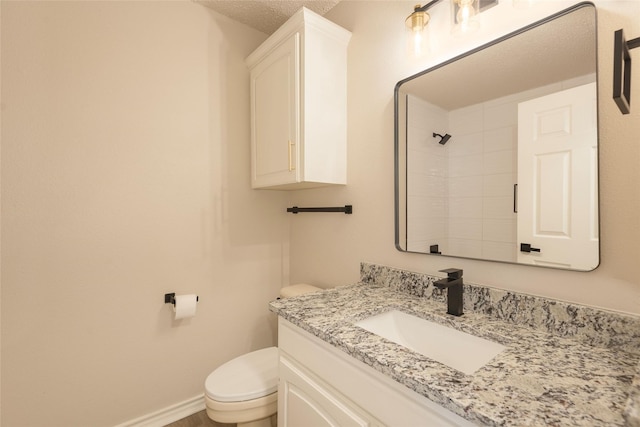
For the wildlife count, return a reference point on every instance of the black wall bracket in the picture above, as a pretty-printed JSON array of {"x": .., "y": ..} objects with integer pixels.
[
  {"x": 347, "y": 209},
  {"x": 170, "y": 298},
  {"x": 622, "y": 70}
]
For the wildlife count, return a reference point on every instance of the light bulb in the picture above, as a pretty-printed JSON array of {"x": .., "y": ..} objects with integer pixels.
[
  {"x": 465, "y": 13},
  {"x": 464, "y": 21},
  {"x": 417, "y": 43},
  {"x": 416, "y": 23}
]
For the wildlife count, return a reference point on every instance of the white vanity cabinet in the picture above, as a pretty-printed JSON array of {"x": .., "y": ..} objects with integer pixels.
[
  {"x": 322, "y": 386},
  {"x": 307, "y": 401},
  {"x": 299, "y": 105}
]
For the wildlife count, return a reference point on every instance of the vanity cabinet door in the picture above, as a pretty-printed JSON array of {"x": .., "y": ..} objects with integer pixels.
[
  {"x": 274, "y": 102},
  {"x": 303, "y": 401}
]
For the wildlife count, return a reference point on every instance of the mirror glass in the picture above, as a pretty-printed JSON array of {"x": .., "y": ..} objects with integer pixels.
[{"x": 497, "y": 149}]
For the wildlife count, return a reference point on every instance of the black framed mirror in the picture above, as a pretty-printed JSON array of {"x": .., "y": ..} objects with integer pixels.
[{"x": 496, "y": 150}]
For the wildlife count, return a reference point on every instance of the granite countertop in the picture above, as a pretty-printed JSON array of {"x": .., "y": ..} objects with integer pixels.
[{"x": 541, "y": 379}]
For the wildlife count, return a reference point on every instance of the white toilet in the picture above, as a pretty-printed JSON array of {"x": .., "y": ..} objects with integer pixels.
[{"x": 245, "y": 389}]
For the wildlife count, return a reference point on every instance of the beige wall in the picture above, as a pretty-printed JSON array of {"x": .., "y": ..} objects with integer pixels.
[
  {"x": 377, "y": 60},
  {"x": 125, "y": 138},
  {"x": 0, "y": 220},
  {"x": 125, "y": 175}
]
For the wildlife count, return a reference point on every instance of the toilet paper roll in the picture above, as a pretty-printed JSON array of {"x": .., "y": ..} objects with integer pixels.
[{"x": 185, "y": 306}]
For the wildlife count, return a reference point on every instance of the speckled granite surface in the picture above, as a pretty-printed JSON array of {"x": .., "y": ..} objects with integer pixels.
[
  {"x": 589, "y": 325},
  {"x": 554, "y": 372}
]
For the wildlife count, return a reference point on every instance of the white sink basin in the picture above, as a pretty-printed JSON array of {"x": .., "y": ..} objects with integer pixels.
[{"x": 459, "y": 350}]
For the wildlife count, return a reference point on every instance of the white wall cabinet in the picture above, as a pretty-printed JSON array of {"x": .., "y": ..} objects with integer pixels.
[
  {"x": 322, "y": 386},
  {"x": 299, "y": 105}
]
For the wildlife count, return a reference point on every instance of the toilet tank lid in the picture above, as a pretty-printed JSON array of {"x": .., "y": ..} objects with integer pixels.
[
  {"x": 250, "y": 376},
  {"x": 299, "y": 289}
]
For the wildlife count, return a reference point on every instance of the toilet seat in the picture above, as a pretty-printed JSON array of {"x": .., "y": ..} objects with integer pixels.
[{"x": 250, "y": 376}]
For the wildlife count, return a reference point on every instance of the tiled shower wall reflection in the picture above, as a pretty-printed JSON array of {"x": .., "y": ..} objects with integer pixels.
[{"x": 460, "y": 196}]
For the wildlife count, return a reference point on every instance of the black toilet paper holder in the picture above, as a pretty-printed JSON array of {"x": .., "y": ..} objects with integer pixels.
[{"x": 171, "y": 298}]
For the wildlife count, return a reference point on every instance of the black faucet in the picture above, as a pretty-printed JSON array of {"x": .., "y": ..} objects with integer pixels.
[{"x": 453, "y": 284}]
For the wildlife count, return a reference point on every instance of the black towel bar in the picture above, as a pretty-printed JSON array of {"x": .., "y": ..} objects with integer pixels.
[{"x": 347, "y": 209}]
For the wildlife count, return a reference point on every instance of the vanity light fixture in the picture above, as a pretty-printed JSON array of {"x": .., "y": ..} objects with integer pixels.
[
  {"x": 464, "y": 12},
  {"x": 622, "y": 70},
  {"x": 416, "y": 23}
]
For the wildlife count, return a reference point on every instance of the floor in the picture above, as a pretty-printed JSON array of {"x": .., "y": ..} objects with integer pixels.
[{"x": 199, "y": 419}]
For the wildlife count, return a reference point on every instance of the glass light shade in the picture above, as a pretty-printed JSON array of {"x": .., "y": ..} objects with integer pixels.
[
  {"x": 416, "y": 24},
  {"x": 465, "y": 16}
]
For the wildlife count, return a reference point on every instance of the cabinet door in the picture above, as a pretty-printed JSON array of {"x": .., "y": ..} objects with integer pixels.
[
  {"x": 275, "y": 86},
  {"x": 302, "y": 401}
]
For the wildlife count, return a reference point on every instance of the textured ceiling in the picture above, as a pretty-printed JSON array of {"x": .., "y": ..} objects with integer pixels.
[{"x": 265, "y": 15}]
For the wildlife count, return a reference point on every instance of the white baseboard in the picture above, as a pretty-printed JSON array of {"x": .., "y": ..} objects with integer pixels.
[{"x": 169, "y": 414}]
